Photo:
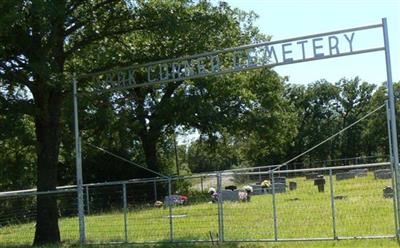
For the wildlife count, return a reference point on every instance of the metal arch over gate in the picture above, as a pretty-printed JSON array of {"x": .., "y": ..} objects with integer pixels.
[{"x": 267, "y": 54}]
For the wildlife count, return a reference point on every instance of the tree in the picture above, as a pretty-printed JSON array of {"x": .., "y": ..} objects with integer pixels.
[
  {"x": 353, "y": 103},
  {"x": 154, "y": 112},
  {"x": 249, "y": 123},
  {"x": 375, "y": 135},
  {"x": 39, "y": 43},
  {"x": 17, "y": 143},
  {"x": 324, "y": 109},
  {"x": 43, "y": 43},
  {"x": 317, "y": 118}
]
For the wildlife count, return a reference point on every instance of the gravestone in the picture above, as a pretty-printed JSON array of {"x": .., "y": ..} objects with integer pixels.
[
  {"x": 279, "y": 188},
  {"x": 388, "y": 192},
  {"x": 311, "y": 176},
  {"x": 359, "y": 172},
  {"x": 344, "y": 175},
  {"x": 172, "y": 201},
  {"x": 229, "y": 195},
  {"x": 383, "y": 174},
  {"x": 257, "y": 189},
  {"x": 292, "y": 185},
  {"x": 320, "y": 183}
]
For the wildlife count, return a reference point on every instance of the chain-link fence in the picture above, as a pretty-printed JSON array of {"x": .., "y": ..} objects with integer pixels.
[
  {"x": 18, "y": 212},
  {"x": 244, "y": 205}
]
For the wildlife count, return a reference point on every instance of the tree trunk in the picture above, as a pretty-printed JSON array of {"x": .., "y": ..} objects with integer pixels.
[
  {"x": 47, "y": 123},
  {"x": 150, "y": 152}
]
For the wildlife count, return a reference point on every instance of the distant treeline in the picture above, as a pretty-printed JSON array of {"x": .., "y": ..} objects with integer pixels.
[{"x": 267, "y": 122}]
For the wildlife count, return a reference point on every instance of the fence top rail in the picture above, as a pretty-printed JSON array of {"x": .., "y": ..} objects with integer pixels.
[
  {"x": 72, "y": 188},
  {"x": 32, "y": 192},
  {"x": 344, "y": 159},
  {"x": 314, "y": 169}
]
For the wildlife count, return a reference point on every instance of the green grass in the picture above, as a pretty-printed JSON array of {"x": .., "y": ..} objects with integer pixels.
[
  {"x": 387, "y": 243},
  {"x": 303, "y": 213}
]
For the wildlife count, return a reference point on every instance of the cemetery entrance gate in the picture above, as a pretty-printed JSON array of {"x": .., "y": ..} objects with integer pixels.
[{"x": 275, "y": 53}]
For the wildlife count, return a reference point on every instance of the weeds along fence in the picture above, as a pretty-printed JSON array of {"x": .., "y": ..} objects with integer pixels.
[{"x": 330, "y": 203}]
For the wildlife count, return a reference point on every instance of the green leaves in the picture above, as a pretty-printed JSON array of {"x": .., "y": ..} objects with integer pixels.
[{"x": 324, "y": 109}]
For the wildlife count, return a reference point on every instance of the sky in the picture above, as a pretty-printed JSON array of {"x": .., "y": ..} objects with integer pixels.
[{"x": 284, "y": 19}]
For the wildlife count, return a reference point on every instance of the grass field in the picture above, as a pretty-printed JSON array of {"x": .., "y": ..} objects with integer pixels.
[
  {"x": 321, "y": 244},
  {"x": 302, "y": 213}
]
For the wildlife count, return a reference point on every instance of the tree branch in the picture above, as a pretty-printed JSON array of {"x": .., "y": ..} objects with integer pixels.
[{"x": 91, "y": 39}]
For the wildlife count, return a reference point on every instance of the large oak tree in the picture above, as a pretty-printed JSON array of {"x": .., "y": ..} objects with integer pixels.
[{"x": 43, "y": 42}]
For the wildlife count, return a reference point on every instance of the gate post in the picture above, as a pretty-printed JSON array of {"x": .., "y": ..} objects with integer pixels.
[
  {"x": 78, "y": 162},
  {"x": 392, "y": 115},
  {"x": 394, "y": 171}
]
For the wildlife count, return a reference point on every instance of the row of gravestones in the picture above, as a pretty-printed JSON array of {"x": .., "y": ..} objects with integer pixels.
[
  {"x": 280, "y": 183},
  {"x": 279, "y": 187},
  {"x": 351, "y": 174},
  {"x": 378, "y": 174},
  {"x": 385, "y": 174}
]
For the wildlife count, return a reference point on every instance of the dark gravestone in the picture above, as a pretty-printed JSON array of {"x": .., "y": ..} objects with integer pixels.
[
  {"x": 292, "y": 185},
  {"x": 388, "y": 192},
  {"x": 383, "y": 174},
  {"x": 320, "y": 183},
  {"x": 257, "y": 189},
  {"x": 229, "y": 195},
  {"x": 279, "y": 188},
  {"x": 344, "y": 175}
]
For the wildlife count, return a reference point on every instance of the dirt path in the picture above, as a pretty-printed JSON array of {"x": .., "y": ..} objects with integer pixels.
[{"x": 212, "y": 182}]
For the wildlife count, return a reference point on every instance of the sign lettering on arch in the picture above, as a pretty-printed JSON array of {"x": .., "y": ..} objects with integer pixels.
[{"x": 268, "y": 54}]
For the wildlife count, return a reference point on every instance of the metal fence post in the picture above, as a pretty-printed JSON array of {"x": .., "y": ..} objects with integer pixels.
[
  {"x": 155, "y": 190},
  {"x": 287, "y": 170},
  {"x": 220, "y": 209},
  {"x": 274, "y": 207},
  {"x": 201, "y": 183},
  {"x": 259, "y": 174},
  {"x": 394, "y": 171},
  {"x": 125, "y": 211},
  {"x": 392, "y": 112},
  {"x": 78, "y": 162},
  {"x": 170, "y": 202},
  {"x": 333, "y": 205},
  {"x": 87, "y": 200}
]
